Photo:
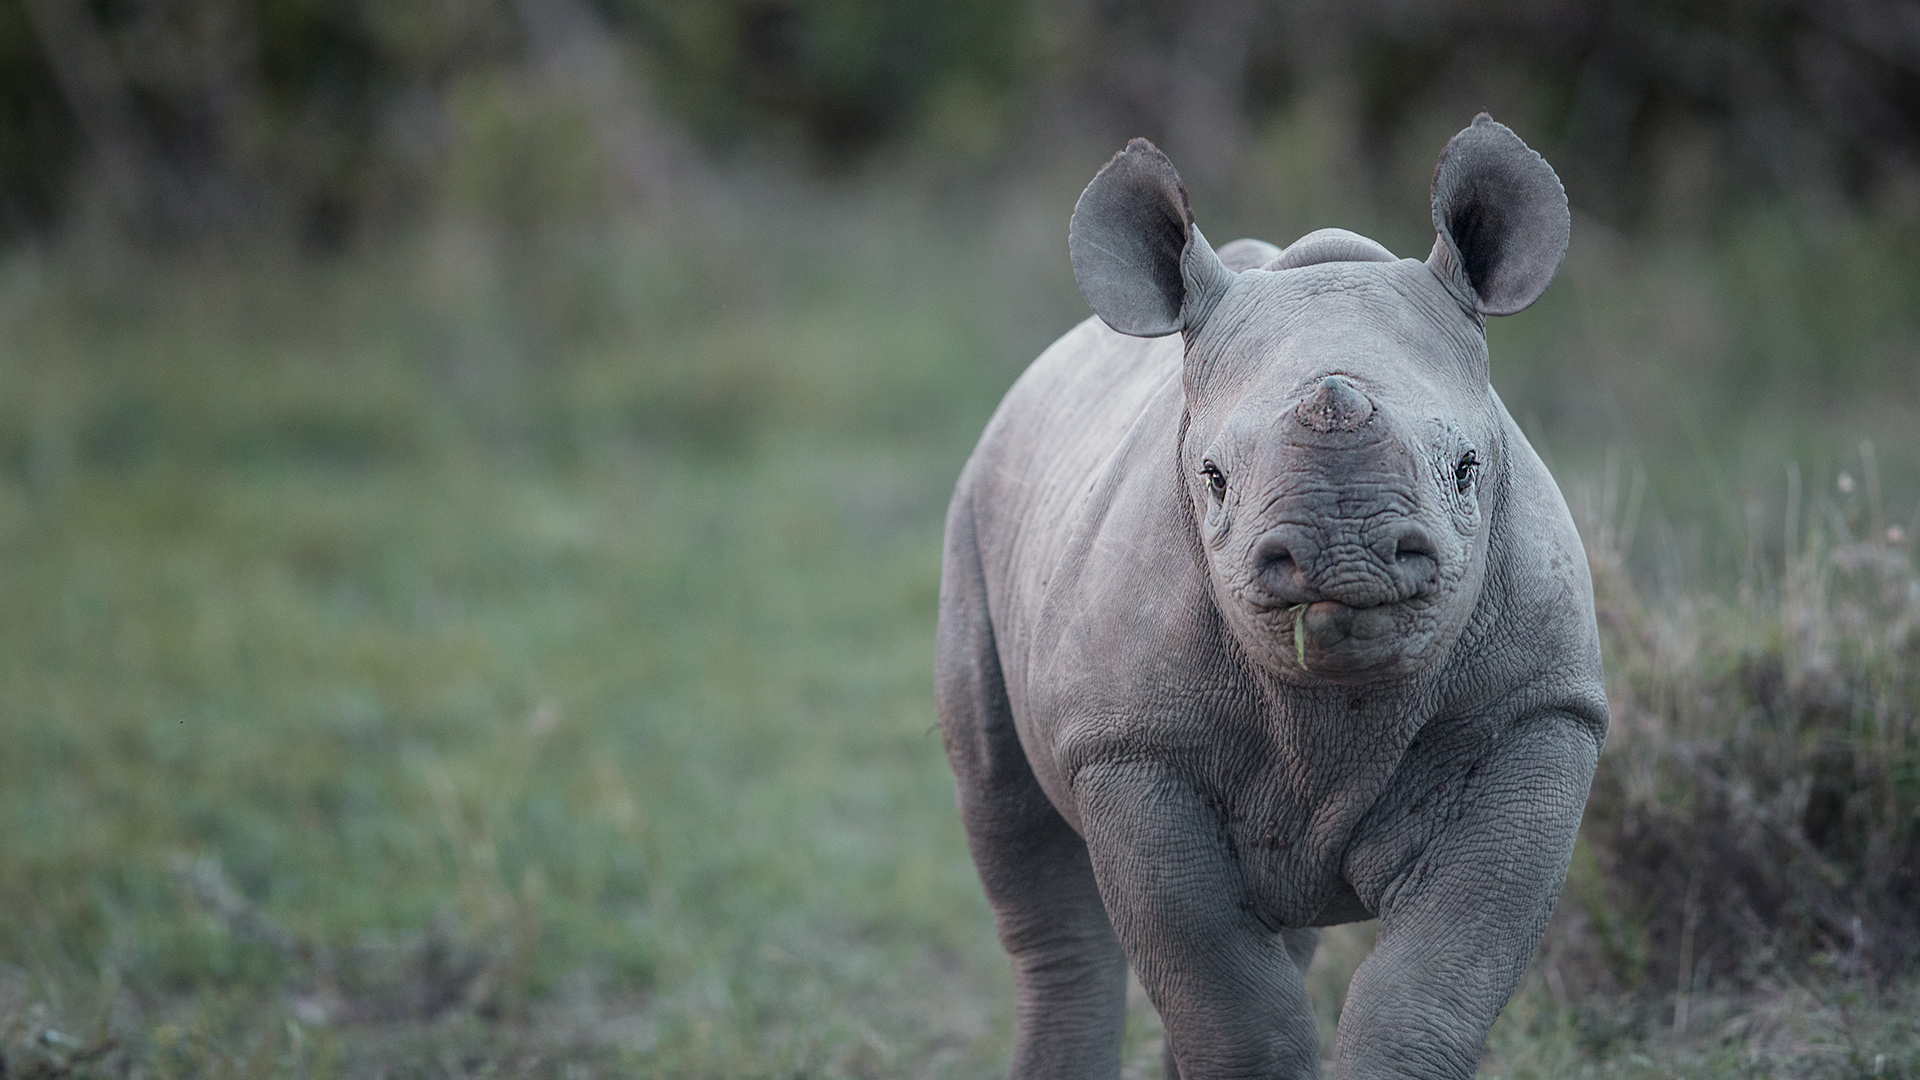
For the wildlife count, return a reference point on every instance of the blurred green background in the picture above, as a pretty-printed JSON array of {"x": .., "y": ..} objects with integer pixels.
[{"x": 471, "y": 478}]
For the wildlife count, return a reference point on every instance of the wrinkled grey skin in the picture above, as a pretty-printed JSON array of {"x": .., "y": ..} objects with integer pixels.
[{"x": 1152, "y": 768}]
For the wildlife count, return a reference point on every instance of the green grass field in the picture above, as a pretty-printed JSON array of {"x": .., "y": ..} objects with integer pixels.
[{"x": 483, "y": 659}]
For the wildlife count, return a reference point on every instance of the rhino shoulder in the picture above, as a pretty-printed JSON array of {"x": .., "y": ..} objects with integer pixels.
[
  {"x": 1541, "y": 594},
  {"x": 1062, "y": 419}
]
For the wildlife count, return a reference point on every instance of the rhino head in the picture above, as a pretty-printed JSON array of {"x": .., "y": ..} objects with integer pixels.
[{"x": 1343, "y": 451}]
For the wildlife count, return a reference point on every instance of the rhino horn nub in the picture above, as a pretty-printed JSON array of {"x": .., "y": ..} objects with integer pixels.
[{"x": 1335, "y": 405}]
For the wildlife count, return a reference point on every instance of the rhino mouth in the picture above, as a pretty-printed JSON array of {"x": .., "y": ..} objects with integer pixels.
[
  {"x": 1326, "y": 623},
  {"x": 1335, "y": 639}
]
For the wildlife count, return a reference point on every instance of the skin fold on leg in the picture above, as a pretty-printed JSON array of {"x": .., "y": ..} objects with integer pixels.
[
  {"x": 1461, "y": 920},
  {"x": 1228, "y": 989}
]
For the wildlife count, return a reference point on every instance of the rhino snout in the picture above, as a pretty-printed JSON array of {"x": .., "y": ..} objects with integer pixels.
[{"x": 1292, "y": 564}]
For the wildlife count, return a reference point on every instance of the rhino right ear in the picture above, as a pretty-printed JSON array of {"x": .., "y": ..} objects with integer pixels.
[
  {"x": 1137, "y": 255},
  {"x": 1502, "y": 218}
]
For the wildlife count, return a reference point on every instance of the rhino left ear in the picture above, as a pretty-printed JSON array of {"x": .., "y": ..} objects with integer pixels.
[
  {"x": 1137, "y": 255},
  {"x": 1502, "y": 218}
]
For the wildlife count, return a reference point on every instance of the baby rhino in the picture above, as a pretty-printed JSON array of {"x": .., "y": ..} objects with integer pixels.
[{"x": 1271, "y": 626}]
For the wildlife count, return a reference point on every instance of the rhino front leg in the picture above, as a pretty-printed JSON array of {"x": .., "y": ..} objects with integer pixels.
[
  {"x": 1069, "y": 972},
  {"x": 1229, "y": 990},
  {"x": 1301, "y": 945},
  {"x": 1459, "y": 921}
]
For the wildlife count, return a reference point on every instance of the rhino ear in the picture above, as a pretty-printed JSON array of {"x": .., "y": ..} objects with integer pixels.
[
  {"x": 1502, "y": 218},
  {"x": 1137, "y": 255}
]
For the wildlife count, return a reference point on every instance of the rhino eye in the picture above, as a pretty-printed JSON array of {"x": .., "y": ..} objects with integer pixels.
[
  {"x": 1216, "y": 480},
  {"x": 1463, "y": 472}
]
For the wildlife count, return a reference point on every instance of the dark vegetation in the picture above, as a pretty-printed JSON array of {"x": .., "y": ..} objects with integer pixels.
[
  {"x": 1755, "y": 825},
  {"x": 1758, "y": 814},
  {"x": 471, "y": 477},
  {"x": 335, "y": 120}
]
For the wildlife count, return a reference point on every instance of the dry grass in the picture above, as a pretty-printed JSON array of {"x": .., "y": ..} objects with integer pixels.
[
  {"x": 1745, "y": 899},
  {"x": 1755, "y": 813}
]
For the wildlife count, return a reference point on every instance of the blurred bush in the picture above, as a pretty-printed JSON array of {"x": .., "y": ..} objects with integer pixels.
[
  {"x": 844, "y": 74},
  {"x": 325, "y": 120},
  {"x": 1756, "y": 817},
  {"x": 182, "y": 120}
]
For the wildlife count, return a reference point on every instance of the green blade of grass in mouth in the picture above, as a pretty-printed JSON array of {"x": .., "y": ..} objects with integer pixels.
[{"x": 1299, "y": 612}]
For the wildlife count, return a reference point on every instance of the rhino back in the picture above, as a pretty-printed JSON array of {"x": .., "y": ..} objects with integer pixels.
[{"x": 1094, "y": 417}]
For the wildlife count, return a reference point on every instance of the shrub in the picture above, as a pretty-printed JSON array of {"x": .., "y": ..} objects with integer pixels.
[{"x": 1754, "y": 815}]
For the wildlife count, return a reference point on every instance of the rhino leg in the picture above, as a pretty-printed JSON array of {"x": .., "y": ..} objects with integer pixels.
[
  {"x": 1301, "y": 945},
  {"x": 1461, "y": 918},
  {"x": 1068, "y": 968},
  {"x": 1229, "y": 989}
]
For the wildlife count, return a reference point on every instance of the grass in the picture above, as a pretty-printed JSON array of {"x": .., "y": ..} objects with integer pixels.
[
  {"x": 356, "y": 729},
  {"x": 511, "y": 655}
]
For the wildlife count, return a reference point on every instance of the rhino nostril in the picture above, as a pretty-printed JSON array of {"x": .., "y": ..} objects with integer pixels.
[
  {"x": 1413, "y": 556},
  {"x": 1277, "y": 565},
  {"x": 1412, "y": 544},
  {"x": 1272, "y": 555}
]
